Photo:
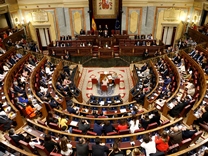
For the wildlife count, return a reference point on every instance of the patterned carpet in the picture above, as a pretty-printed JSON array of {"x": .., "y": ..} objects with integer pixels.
[{"x": 87, "y": 88}]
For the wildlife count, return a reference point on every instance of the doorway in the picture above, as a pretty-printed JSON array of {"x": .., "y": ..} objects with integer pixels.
[
  {"x": 44, "y": 38},
  {"x": 168, "y": 35}
]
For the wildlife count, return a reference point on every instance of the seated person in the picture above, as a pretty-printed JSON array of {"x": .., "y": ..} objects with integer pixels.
[
  {"x": 122, "y": 125},
  {"x": 62, "y": 122},
  {"x": 145, "y": 121},
  {"x": 16, "y": 137},
  {"x": 156, "y": 117},
  {"x": 162, "y": 142},
  {"x": 175, "y": 135},
  {"x": 32, "y": 141},
  {"x": 84, "y": 126},
  {"x": 108, "y": 127},
  {"x": 82, "y": 32},
  {"x": 149, "y": 145},
  {"x": 70, "y": 108},
  {"x": 5, "y": 120},
  {"x": 179, "y": 106},
  {"x": 98, "y": 128},
  {"x": 31, "y": 112},
  {"x": 50, "y": 118},
  {"x": 203, "y": 117},
  {"x": 50, "y": 143},
  {"x": 188, "y": 133},
  {"x": 134, "y": 124}
]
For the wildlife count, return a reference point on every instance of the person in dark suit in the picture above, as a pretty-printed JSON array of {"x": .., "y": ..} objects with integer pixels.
[
  {"x": 167, "y": 80},
  {"x": 107, "y": 128},
  {"x": 196, "y": 55},
  {"x": 145, "y": 121},
  {"x": 98, "y": 149},
  {"x": 50, "y": 144},
  {"x": 62, "y": 38},
  {"x": 18, "y": 89},
  {"x": 203, "y": 116},
  {"x": 84, "y": 126},
  {"x": 12, "y": 60},
  {"x": 100, "y": 31},
  {"x": 143, "y": 68},
  {"x": 200, "y": 58},
  {"x": 156, "y": 117},
  {"x": 70, "y": 108},
  {"x": 146, "y": 53},
  {"x": 175, "y": 111},
  {"x": 15, "y": 137},
  {"x": 98, "y": 128},
  {"x": 188, "y": 133},
  {"x": 192, "y": 52},
  {"x": 82, "y": 148},
  {"x": 82, "y": 32}
]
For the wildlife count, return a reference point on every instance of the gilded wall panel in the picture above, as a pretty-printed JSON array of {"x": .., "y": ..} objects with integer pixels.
[
  {"x": 133, "y": 20},
  {"x": 77, "y": 20}
]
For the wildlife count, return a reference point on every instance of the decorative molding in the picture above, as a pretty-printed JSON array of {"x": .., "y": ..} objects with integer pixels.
[
  {"x": 3, "y": 9},
  {"x": 156, "y": 14},
  {"x": 206, "y": 6},
  {"x": 39, "y": 16},
  {"x": 171, "y": 14}
]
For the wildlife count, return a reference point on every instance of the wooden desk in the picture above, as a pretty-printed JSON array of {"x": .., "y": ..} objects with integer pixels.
[{"x": 105, "y": 53}]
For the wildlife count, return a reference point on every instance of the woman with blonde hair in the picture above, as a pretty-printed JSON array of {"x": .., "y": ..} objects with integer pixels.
[
  {"x": 134, "y": 152},
  {"x": 66, "y": 147}
]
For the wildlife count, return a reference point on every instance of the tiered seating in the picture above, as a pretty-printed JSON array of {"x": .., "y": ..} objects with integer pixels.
[
  {"x": 126, "y": 137},
  {"x": 173, "y": 86},
  {"x": 74, "y": 78},
  {"x": 105, "y": 100}
]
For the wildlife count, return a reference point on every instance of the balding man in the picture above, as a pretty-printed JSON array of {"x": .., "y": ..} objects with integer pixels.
[{"x": 175, "y": 135}]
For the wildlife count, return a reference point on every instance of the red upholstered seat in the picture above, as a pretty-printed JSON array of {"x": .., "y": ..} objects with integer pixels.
[
  {"x": 121, "y": 132},
  {"x": 91, "y": 133},
  {"x": 41, "y": 122},
  {"x": 111, "y": 133},
  {"x": 165, "y": 122},
  {"x": 185, "y": 143},
  {"x": 94, "y": 81},
  {"x": 139, "y": 130},
  {"x": 117, "y": 81},
  {"x": 26, "y": 146},
  {"x": 55, "y": 154},
  {"x": 152, "y": 125},
  {"x": 76, "y": 131},
  {"x": 90, "y": 116},
  {"x": 172, "y": 148},
  {"x": 196, "y": 136},
  {"x": 204, "y": 126},
  {"x": 184, "y": 111},
  {"x": 7, "y": 137},
  {"x": 41, "y": 150},
  {"x": 54, "y": 126}
]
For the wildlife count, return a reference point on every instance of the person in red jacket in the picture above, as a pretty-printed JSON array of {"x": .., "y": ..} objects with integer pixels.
[
  {"x": 122, "y": 125},
  {"x": 162, "y": 142}
]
